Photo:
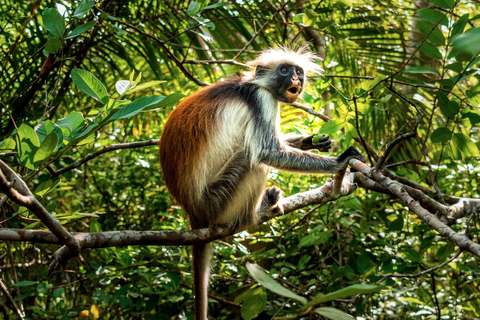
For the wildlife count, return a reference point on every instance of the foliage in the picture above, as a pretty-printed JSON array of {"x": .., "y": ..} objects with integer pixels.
[{"x": 80, "y": 76}]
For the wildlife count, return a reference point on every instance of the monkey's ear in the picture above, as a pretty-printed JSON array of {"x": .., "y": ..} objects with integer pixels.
[{"x": 260, "y": 71}]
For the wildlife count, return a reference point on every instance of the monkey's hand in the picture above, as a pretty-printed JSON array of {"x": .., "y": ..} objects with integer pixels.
[{"x": 321, "y": 142}]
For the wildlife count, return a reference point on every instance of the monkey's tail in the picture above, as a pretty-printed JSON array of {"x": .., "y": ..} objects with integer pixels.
[{"x": 201, "y": 269}]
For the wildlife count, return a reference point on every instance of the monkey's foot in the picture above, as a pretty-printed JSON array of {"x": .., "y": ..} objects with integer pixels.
[{"x": 271, "y": 200}]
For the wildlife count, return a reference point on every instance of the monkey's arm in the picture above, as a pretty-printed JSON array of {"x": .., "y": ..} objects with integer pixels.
[
  {"x": 286, "y": 158},
  {"x": 306, "y": 142}
]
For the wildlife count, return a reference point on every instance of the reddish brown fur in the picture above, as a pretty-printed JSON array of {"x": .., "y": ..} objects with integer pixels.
[{"x": 184, "y": 137}]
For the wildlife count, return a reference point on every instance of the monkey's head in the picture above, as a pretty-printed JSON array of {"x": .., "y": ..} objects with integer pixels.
[{"x": 283, "y": 72}]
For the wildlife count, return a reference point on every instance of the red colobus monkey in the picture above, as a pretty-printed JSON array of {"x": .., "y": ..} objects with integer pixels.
[{"x": 219, "y": 143}]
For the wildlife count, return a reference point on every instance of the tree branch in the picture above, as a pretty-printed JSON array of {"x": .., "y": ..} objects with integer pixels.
[{"x": 17, "y": 191}]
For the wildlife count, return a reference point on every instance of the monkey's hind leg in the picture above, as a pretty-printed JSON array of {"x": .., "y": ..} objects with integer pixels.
[{"x": 271, "y": 201}]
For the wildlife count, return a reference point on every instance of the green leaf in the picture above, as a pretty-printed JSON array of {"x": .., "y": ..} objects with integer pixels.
[
  {"x": 265, "y": 280},
  {"x": 83, "y": 7},
  {"x": 117, "y": 29},
  {"x": 472, "y": 115},
  {"x": 169, "y": 101},
  {"x": 53, "y": 45},
  {"x": 28, "y": 145},
  {"x": 463, "y": 147},
  {"x": 436, "y": 36},
  {"x": 193, "y": 8},
  {"x": 433, "y": 16},
  {"x": 53, "y": 22},
  {"x": 363, "y": 263},
  {"x": 47, "y": 148},
  {"x": 315, "y": 239},
  {"x": 45, "y": 187},
  {"x": 449, "y": 108},
  {"x": 441, "y": 135},
  {"x": 254, "y": 303},
  {"x": 331, "y": 127},
  {"x": 352, "y": 290},
  {"x": 135, "y": 107},
  {"x": 446, "y": 4},
  {"x": 332, "y": 313},
  {"x": 421, "y": 70},
  {"x": 431, "y": 51},
  {"x": 47, "y": 127},
  {"x": 459, "y": 26},
  {"x": 309, "y": 18},
  {"x": 145, "y": 86},
  {"x": 95, "y": 226},
  {"x": 7, "y": 145},
  {"x": 25, "y": 283},
  {"x": 57, "y": 293},
  {"x": 89, "y": 84},
  {"x": 468, "y": 42},
  {"x": 71, "y": 124},
  {"x": 80, "y": 29}
]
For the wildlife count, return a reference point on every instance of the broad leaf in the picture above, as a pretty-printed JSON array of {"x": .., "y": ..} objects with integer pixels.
[
  {"x": 135, "y": 107},
  {"x": 463, "y": 147},
  {"x": 53, "y": 45},
  {"x": 441, "y": 135},
  {"x": 254, "y": 303},
  {"x": 47, "y": 148},
  {"x": 350, "y": 291},
  {"x": 334, "y": 314},
  {"x": 468, "y": 42},
  {"x": 421, "y": 70},
  {"x": 80, "y": 29},
  {"x": 431, "y": 51},
  {"x": 48, "y": 127},
  {"x": 434, "y": 34},
  {"x": 7, "y": 145},
  {"x": 71, "y": 124},
  {"x": 433, "y": 16},
  {"x": 331, "y": 127},
  {"x": 83, "y": 7},
  {"x": 265, "y": 280},
  {"x": 28, "y": 145},
  {"x": 89, "y": 84},
  {"x": 53, "y": 22},
  {"x": 446, "y": 4}
]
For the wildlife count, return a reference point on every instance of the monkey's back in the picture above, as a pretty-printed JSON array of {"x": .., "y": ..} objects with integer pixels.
[{"x": 204, "y": 137}]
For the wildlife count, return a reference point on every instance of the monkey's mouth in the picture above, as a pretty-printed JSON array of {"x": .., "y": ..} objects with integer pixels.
[{"x": 293, "y": 92}]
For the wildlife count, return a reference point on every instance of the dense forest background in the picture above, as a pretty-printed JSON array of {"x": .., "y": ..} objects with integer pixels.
[{"x": 86, "y": 87}]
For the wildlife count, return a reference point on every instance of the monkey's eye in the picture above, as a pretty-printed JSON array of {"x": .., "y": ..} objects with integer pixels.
[
  {"x": 284, "y": 70},
  {"x": 299, "y": 72}
]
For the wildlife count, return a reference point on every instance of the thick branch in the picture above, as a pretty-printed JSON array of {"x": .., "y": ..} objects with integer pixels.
[
  {"x": 462, "y": 241},
  {"x": 16, "y": 190},
  {"x": 123, "y": 238}
]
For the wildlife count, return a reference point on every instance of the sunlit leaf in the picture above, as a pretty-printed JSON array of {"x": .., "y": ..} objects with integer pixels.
[
  {"x": 83, "y": 8},
  {"x": 90, "y": 85},
  {"x": 468, "y": 42},
  {"x": 47, "y": 148}
]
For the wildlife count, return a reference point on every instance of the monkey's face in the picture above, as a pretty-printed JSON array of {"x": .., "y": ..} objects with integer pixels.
[{"x": 286, "y": 83}]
